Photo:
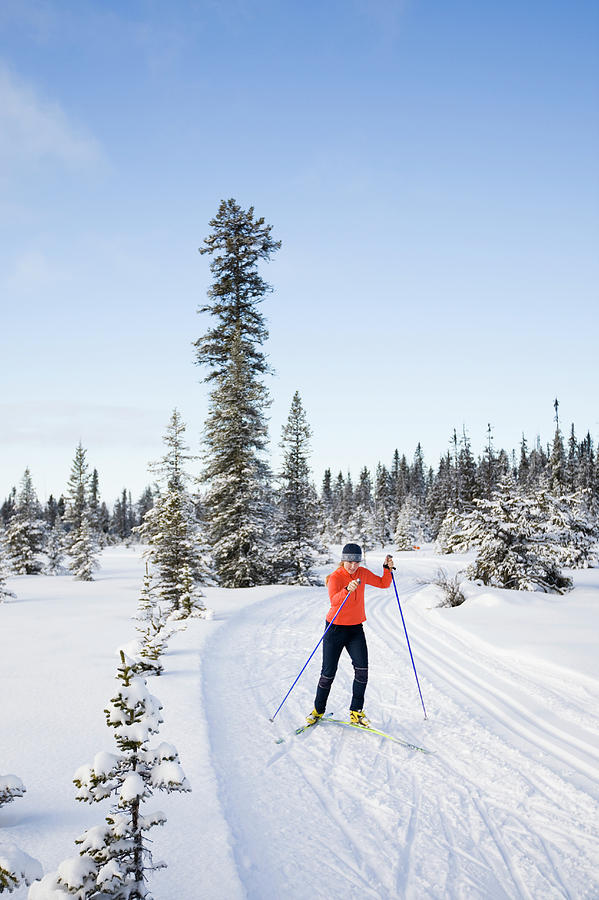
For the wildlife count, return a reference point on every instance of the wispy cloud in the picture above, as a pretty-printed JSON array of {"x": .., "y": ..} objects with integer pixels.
[
  {"x": 63, "y": 424},
  {"x": 32, "y": 127},
  {"x": 31, "y": 271}
]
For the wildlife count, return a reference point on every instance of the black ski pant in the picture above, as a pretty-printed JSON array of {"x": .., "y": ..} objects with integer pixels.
[{"x": 338, "y": 638}]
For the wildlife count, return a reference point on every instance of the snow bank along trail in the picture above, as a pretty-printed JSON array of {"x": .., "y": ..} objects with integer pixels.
[{"x": 506, "y": 808}]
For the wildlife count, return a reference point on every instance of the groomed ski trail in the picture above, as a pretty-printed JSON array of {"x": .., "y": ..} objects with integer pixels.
[{"x": 505, "y": 809}]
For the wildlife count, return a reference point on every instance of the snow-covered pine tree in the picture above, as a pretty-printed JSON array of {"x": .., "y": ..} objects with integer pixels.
[
  {"x": 78, "y": 489},
  {"x": 5, "y": 593},
  {"x": 170, "y": 527},
  {"x": 412, "y": 525},
  {"x": 346, "y": 510},
  {"x": 442, "y": 495},
  {"x": 146, "y": 604},
  {"x": 417, "y": 486},
  {"x": 154, "y": 636},
  {"x": 16, "y": 867},
  {"x": 104, "y": 525},
  {"x": 400, "y": 481},
  {"x": 327, "y": 513},
  {"x": 296, "y": 533},
  {"x": 524, "y": 465},
  {"x": 537, "y": 462},
  {"x": 570, "y": 525},
  {"x": 383, "y": 506},
  {"x": 467, "y": 471},
  {"x": 572, "y": 462},
  {"x": 191, "y": 598},
  {"x": 8, "y": 507},
  {"x": 584, "y": 468},
  {"x": 361, "y": 522},
  {"x": 145, "y": 502},
  {"x": 339, "y": 525},
  {"x": 55, "y": 545},
  {"x": 83, "y": 550},
  {"x": 238, "y": 506},
  {"x": 557, "y": 457},
  {"x": 557, "y": 463},
  {"x": 454, "y": 472},
  {"x": 152, "y": 629},
  {"x": 95, "y": 511},
  {"x": 81, "y": 539},
  {"x": 11, "y": 787},
  {"x": 514, "y": 548},
  {"x": 53, "y": 509},
  {"x": 114, "y": 859},
  {"x": 123, "y": 517},
  {"x": 26, "y": 532},
  {"x": 487, "y": 476}
]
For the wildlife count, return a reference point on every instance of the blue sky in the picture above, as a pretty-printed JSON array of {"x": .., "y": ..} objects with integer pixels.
[{"x": 431, "y": 169}]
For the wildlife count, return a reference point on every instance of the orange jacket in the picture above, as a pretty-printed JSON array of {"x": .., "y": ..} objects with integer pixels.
[{"x": 353, "y": 612}]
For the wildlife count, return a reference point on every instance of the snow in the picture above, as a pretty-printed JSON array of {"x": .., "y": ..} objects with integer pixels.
[
  {"x": 133, "y": 787},
  {"x": 105, "y": 763},
  {"x": 507, "y": 807},
  {"x": 169, "y": 775},
  {"x": 15, "y": 861},
  {"x": 11, "y": 785},
  {"x": 75, "y": 870}
]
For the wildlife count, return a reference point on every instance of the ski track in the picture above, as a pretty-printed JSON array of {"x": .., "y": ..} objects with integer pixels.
[{"x": 506, "y": 808}]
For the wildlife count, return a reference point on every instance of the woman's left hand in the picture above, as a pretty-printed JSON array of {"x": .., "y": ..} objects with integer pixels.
[{"x": 389, "y": 562}]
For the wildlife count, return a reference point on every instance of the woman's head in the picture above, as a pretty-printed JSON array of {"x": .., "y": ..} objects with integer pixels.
[{"x": 351, "y": 557}]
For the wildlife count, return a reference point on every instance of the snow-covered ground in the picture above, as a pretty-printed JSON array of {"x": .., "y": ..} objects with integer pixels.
[{"x": 507, "y": 807}]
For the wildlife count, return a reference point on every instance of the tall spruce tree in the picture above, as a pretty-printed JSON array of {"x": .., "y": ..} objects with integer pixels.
[
  {"x": 78, "y": 491},
  {"x": 238, "y": 506},
  {"x": 81, "y": 539},
  {"x": 94, "y": 508},
  {"x": 297, "y": 538}
]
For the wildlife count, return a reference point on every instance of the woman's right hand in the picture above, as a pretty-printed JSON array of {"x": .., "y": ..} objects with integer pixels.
[{"x": 353, "y": 585}]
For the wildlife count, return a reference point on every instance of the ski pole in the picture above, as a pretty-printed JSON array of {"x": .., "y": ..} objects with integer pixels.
[
  {"x": 409, "y": 648},
  {"x": 272, "y": 718}
]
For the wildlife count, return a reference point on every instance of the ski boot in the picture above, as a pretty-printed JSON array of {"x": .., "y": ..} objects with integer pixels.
[
  {"x": 314, "y": 717},
  {"x": 357, "y": 717}
]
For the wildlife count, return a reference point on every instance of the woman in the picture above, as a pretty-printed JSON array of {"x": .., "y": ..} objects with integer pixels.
[{"x": 347, "y": 630}]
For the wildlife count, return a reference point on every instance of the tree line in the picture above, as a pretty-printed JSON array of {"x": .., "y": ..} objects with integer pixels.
[
  {"x": 64, "y": 534},
  {"x": 117, "y": 524},
  {"x": 407, "y": 502}
]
